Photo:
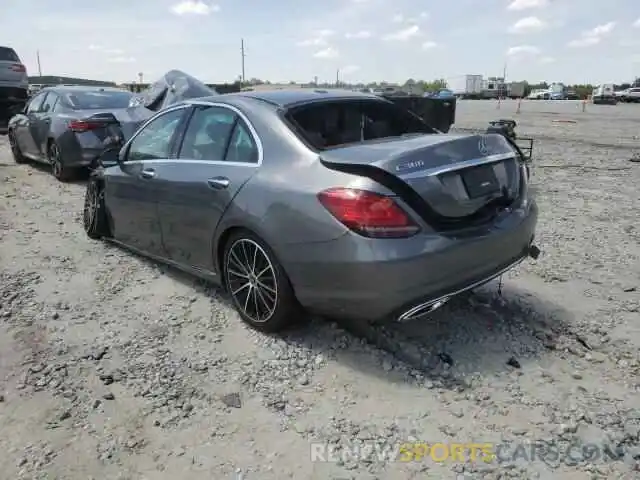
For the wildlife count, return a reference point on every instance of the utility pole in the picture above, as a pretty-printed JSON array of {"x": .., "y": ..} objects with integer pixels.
[
  {"x": 337, "y": 78},
  {"x": 504, "y": 79},
  {"x": 315, "y": 80},
  {"x": 39, "y": 66},
  {"x": 242, "y": 55}
]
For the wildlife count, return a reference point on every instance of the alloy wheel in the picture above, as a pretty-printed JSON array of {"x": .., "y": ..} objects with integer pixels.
[
  {"x": 91, "y": 203},
  {"x": 13, "y": 144},
  {"x": 251, "y": 279},
  {"x": 54, "y": 159}
]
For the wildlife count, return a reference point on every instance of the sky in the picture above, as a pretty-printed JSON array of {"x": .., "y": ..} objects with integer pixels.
[{"x": 571, "y": 41}]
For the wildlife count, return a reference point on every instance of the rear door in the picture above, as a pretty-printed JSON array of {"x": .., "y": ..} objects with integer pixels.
[
  {"x": 131, "y": 187},
  {"x": 42, "y": 123},
  {"x": 219, "y": 153}
]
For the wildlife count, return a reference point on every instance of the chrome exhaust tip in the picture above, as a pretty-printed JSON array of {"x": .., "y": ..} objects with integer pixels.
[{"x": 422, "y": 310}]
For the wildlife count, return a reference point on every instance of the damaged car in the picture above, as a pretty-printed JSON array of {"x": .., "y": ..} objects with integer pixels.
[{"x": 335, "y": 202}]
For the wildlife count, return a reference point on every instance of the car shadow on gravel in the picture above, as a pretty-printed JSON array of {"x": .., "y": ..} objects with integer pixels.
[
  {"x": 483, "y": 332},
  {"x": 80, "y": 178}
]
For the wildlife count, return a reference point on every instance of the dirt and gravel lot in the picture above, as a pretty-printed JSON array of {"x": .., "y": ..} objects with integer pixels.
[{"x": 113, "y": 367}]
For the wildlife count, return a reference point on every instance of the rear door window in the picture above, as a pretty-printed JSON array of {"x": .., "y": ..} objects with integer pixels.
[
  {"x": 242, "y": 146},
  {"x": 8, "y": 55},
  {"x": 207, "y": 134}
]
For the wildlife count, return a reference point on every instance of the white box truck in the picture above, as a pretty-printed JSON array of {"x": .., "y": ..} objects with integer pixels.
[{"x": 467, "y": 86}]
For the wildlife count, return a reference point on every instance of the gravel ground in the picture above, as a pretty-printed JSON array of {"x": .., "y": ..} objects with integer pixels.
[{"x": 114, "y": 367}]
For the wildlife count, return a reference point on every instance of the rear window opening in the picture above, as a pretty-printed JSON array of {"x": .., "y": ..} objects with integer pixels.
[
  {"x": 325, "y": 125},
  {"x": 98, "y": 99},
  {"x": 8, "y": 55}
]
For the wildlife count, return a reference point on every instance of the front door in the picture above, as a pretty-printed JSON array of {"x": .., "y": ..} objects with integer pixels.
[
  {"x": 218, "y": 155},
  {"x": 24, "y": 130},
  {"x": 131, "y": 189}
]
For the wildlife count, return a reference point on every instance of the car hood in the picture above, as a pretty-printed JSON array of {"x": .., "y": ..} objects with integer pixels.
[{"x": 173, "y": 87}]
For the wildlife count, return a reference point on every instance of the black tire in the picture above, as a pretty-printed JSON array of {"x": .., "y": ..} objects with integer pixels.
[
  {"x": 94, "y": 215},
  {"x": 269, "y": 291},
  {"x": 58, "y": 169},
  {"x": 15, "y": 149}
]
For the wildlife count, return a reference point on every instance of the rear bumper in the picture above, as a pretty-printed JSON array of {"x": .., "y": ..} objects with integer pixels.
[
  {"x": 13, "y": 95},
  {"x": 366, "y": 279},
  {"x": 73, "y": 154}
]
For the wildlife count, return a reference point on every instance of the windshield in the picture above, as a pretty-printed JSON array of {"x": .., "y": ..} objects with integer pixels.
[
  {"x": 90, "y": 100},
  {"x": 329, "y": 124},
  {"x": 8, "y": 55}
]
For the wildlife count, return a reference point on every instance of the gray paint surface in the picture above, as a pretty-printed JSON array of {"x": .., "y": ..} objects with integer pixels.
[
  {"x": 176, "y": 215},
  {"x": 46, "y": 122}
]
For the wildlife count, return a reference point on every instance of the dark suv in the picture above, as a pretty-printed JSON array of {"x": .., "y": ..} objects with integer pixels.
[{"x": 14, "y": 84}]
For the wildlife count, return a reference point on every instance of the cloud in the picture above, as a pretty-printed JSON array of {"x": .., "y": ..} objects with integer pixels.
[
  {"x": 108, "y": 51},
  {"x": 194, "y": 7},
  {"x": 547, "y": 60},
  {"x": 600, "y": 30},
  {"x": 400, "y": 18},
  {"x": 637, "y": 23},
  {"x": 328, "y": 52},
  {"x": 319, "y": 39},
  {"x": 121, "y": 59},
  {"x": 522, "y": 50},
  {"x": 593, "y": 36},
  {"x": 584, "y": 42},
  {"x": 312, "y": 42},
  {"x": 528, "y": 25},
  {"x": 362, "y": 34},
  {"x": 325, "y": 33},
  {"x": 404, "y": 34},
  {"x": 429, "y": 45},
  {"x": 349, "y": 69},
  {"x": 527, "y": 4}
]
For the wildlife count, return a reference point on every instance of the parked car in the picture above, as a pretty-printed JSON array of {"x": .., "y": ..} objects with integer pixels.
[
  {"x": 14, "y": 84},
  {"x": 629, "y": 95},
  {"x": 572, "y": 95},
  {"x": 66, "y": 126},
  {"x": 539, "y": 95},
  {"x": 604, "y": 95},
  {"x": 341, "y": 203}
]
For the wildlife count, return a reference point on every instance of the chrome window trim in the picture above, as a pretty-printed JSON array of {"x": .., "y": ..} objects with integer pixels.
[
  {"x": 252, "y": 132},
  {"x": 191, "y": 103}
]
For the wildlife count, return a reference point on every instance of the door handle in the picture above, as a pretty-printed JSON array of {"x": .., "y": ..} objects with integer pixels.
[
  {"x": 219, "y": 183},
  {"x": 148, "y": 173}
]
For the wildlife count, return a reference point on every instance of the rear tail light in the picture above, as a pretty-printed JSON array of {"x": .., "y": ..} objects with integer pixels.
[
  {"x": 18, "y": 67},
  {"x": 367, "y": 213},
  {"x": 80, "y": 126}
]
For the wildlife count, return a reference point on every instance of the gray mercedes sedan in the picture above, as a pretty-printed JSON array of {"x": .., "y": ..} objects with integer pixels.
[
  {"x": 65, "y": 126},
  {"x": 340, "y": 203}
]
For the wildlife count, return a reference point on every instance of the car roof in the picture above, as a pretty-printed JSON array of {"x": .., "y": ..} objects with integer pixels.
[
  {"x": 289, "y": 97},
  {"x": 81, "y": 88}
]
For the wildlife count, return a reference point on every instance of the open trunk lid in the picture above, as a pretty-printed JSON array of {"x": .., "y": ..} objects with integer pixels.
[{"x": 452, "y": 181}]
